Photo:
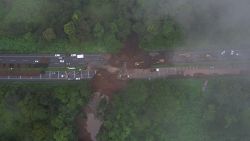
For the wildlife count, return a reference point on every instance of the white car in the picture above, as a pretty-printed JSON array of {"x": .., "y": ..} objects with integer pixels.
[
  {"x": 36, "y": 61},
  {"x": 57, "y": 55},
  {"x": 61, "y": 61},
  {"x": 71, "y": 68},
  {"x": 232, "y": 52},
  {"x": 155, "y": 70},
  {"x": 80, "y": 56},
  {"x": 73, "y": 55},
  {"x": 78, "y": 78},
  {"x": 237, "y": 53},
  {"x": 208, "y": 55},
  {"x": 211, "y": 67},
  {"x": 223, "y": 52}
]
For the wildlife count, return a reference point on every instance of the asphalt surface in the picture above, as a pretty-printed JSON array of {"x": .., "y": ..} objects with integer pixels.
[
  {"x": 86, "y": 67},
  {"x": 198, "y": 63},
  {"x": 54, "y": 75},
  {"x": 74, "y": 68},
  {"x": 201, "y": 56},
  {"x": 52, "y": 60}
]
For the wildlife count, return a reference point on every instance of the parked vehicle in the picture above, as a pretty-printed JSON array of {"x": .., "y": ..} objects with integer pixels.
[{"x": 79, "y": 56}]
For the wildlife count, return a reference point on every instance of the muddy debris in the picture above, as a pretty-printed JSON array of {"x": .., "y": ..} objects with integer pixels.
[
  {"x": 134, "y": 56},
  {"x": 107, "y": 83}
]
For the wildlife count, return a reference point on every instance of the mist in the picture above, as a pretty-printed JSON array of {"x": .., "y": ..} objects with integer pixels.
[{"x": 217, "y": 23}]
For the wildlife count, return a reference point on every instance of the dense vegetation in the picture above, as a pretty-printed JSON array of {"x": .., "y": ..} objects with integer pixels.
[
  {"x": 83, "y": 25},
  {"x": 147, "y": 110},
  {"x": 178, "y": 110},
  {"x": 40, "y": 112}
]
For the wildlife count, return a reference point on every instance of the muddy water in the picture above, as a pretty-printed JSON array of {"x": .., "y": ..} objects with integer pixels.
[{"x": 93, "y": 125}]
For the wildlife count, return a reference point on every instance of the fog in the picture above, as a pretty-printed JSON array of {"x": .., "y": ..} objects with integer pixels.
[{"x": 211, "y": 22}]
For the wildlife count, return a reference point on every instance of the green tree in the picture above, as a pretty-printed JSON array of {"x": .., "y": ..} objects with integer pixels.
[
  {"x": 70, "y": 29},
  {"x": 98, "y": 31},
  {"x": 49, "y": 34}
]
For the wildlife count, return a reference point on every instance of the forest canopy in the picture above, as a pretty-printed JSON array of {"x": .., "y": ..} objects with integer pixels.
[
  {"x": 90, "y": 25},
  {"x": 179, "y": 110},
  {"x": 40, "y": 111}
]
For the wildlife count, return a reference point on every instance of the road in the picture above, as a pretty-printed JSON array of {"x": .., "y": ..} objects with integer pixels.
[
  {"x": 198, "y": 62},
  {"x": 71, "y": 67},
  {"x": 201, "y": 56},
  {"x": 54, "y": 75},
  {"x": 58, "y": 66},
  {"x": 61, "y": 60}
]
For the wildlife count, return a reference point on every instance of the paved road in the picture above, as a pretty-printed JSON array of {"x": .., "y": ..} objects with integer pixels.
[
  {"x": 76, "y": 66},
  {"x": 61, "y": 60},
  {"x": 190, "y": 71},
  {"x": 199, "y": 62},
  {"x": 55, "y": 75},
  {"x": 209, "y": 58},
  {"x": 200, "y": 56}
]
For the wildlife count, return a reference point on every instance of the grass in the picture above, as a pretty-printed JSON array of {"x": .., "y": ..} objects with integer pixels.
[{"x": 19, "y": 45}]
